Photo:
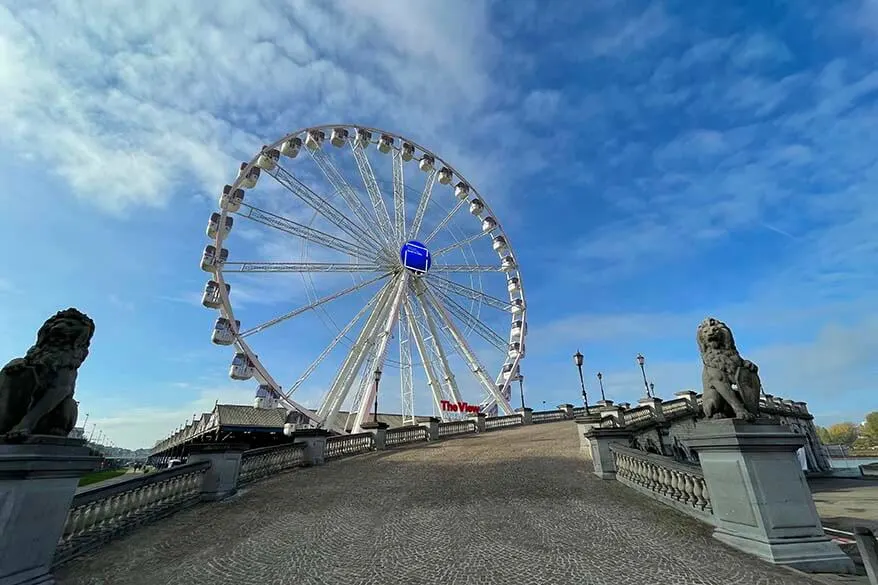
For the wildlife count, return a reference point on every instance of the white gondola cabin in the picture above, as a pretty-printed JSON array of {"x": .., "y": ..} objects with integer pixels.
[
  {"x": 445, "y": 175},
  {"x": 514, "y": 349},
  {"x": 249, "y": 177},
  {"x": 241, "y": 368},
  {"x": 513, "y": 284},
  {"x": 214, "y": 222},
  {"x": 231, "y": 200},
  {"x": 211, "y": 297},
  {"x": 499, "y": 244},
  {"x": 489, "y": 224},
  {"x": 426, "y": 163},
  {"x": 517, "y": 306},
  {"x": 339, "y": 137},
  {"x": 385, "y": 143},
  {"x": 508, "y": 373},
  {"x": 314, "y": 139},
  {"x": 508, "y": 264},
  {"x": 519, "y": 329},
  {"x": 363, "y": 138},
  {"x": 223, "y": 333},
  {"x": 290, "y": 148},
  {"x": 268, "y": 158},
  {"x": 461, "y": 191},
  {"x": 476, "y": 207},
  {"x": 210, "y": 259},
  {"x": 408, "y": 151}
]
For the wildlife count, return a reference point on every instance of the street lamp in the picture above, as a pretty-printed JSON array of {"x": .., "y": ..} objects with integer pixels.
[
  {"x": 652, "y": 388},
  {"x": 601, "y": 382},
  {"x": 377, "y": 375},
  {"x": 521, "y": 389},
  {"x": 641, "y": 360},
  {"x": 577, "y": 359}
]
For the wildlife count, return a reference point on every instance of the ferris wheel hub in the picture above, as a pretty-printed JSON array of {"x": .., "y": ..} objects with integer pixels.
[{"x": 415, "y": 256}]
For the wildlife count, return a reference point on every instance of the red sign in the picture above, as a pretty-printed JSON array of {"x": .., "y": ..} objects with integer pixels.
[{"x": 459, "y": 407}]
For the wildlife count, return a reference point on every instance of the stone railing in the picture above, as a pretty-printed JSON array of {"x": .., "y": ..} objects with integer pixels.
[
  {"x": 499, "y": 422},
  {"x": 679, "y": 485},
  {"x": 548, "y": 416},
  {"x": 346, "y": 445},
  {"x": 103, "y": 513},
  {"x": 404, "y": 435},
  {"x": 456, "y": 427},
  {"x": 638, "y": 416},
  {"x": 677, "y": 408},
  {"x": 259, "y": 463}
]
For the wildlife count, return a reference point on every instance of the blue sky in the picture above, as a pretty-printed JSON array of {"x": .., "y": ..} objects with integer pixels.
[{"x": 652, "y": 162}]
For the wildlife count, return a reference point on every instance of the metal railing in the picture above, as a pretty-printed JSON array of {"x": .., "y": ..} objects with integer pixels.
[{"x": 103, "y": 513}]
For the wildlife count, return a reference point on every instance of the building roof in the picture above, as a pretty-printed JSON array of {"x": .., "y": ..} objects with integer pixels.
[{"x": 235, "y": 415}]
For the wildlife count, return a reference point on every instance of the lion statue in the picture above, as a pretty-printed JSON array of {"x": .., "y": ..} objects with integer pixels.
[
  {"x": 731, "y": 383},
  {"x": 36, "y": 391}
]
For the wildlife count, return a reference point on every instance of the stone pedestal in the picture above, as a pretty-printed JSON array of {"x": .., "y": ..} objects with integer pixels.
[
  {"x": 583, "y": 425},
  {"x": 655, "y": 405},
  {"x": 526, "y": 415},
  {"x": 315, "y": 444},
  {"x": 567, "y": 409},
  {"x": 479, "y": 419},
  {"x": 432, "y": 426},
  {"x": 599, "y": 445},
  {"x": 379, "y": 433},
  {"x": 761, "y": 502},
  {"x": 221, "y": 478},
  {"x": 38, "y": 479}
]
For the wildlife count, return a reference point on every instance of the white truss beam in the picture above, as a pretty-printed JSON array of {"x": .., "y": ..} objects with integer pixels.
[
  {"x": 399, "y": 196},
  {"x": 449, "y": 286},
  {"x": 450, "y": 382},
  {"x": 473, "y": 322},
  {"x": 378, "y": 206},
  {"x": 301, "y": 267},
  {"x": 406, "y": 380},
  {"x": 432, "y": 379},
  {"x": 445, "y": 221},
  {"x": 422, "y": 204}
]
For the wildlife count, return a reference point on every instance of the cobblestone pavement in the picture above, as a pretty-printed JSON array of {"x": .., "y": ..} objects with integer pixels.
[{"x": 508, "y": 507}]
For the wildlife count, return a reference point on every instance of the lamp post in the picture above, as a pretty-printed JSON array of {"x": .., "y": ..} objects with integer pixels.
[
  {"x": 377, "y": 375},
  {"x": 577, "y": 359},
  {"x": 521, "y": 389},
  {"x": 641, "y": 360},
  {"x": 601, "y": 382},
  {"x": 652, "y": 389}
]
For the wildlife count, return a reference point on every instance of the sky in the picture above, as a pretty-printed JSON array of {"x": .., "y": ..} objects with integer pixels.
[{"x": 651, "y": 162}]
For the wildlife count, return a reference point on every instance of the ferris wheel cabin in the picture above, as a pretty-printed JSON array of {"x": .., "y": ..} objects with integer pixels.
[
  {"x": 211, "y": 297},
  {"x": 210, "y": 259},
  {"x": 248, "y": 178},
  {"x": 229, "y": 200},
  {"x": 241, "y": 368},
  {"x": 268, "y": 158},
  {"x": 214, "y": 223},
  {"x": 290, "y": 148},
  {"x": 223, "y": 333}
]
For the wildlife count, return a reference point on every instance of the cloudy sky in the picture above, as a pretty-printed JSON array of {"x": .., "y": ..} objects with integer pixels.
[{"x": 653, "y": 163}]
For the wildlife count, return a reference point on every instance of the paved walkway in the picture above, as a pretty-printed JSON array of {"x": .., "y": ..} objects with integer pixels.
[{"x": 508, "y": 507}]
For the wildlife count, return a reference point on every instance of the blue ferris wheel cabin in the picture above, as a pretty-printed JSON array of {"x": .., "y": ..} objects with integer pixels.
[{"x": 415, "y": 256}]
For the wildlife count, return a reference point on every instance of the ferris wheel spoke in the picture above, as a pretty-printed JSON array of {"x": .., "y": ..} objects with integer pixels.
[
  {"x": 399, "y": 196},
  {"x": 450, "y": 382},
  {"x": 302, "y": 267},
  {"x": 337, "y": 339},
  {"x": 341, "y": 385},
  {"x": 315, "y": 304},
  {"x": 449, "y": 286},
  {"x": 307, "y": 233},
  {"x": 342, "y": 187},
  {"x": 442, "y": 268},
  {"x": 467, "y": 353},
  {"x": 444, "y": 221},
  {"x": 456, "y": 245},
  {"x": 378, "y": 206},
  {"x": 468, "y": 319},
  {"x": 429, "y": 372},
  {"x": 322, "y": 206},
  {"x": 381, "y": 351},
  {"x": 422, "y": 204}
]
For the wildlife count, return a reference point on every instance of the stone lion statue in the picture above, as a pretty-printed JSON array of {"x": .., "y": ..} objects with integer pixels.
[
  {"x": 731, "y": 383},
  {"x": 36, "y": 391}
]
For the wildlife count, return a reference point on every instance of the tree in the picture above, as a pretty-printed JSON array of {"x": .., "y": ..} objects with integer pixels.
[
  {"x": 823, "y": 435},
  {"x": 844, "y": 433},
  {"x": 870, "y": 427}
]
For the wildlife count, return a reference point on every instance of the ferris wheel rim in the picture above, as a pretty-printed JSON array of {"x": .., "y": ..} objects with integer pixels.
[{"x": 226, "y": 310}]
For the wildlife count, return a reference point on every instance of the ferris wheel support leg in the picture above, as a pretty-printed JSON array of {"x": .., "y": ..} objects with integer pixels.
[
  {"x": 381, "y": 352},
  {"x": 450, "y": 382},
  {"x": 341, "y": 385},
  {"x": 467, "y": 353},
  {"x": 406, "y": 380},
  {"x": 432, "y": 380}
]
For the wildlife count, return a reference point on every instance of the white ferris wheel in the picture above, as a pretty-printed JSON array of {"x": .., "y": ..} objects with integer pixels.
[{"x": 399, "y": 257}]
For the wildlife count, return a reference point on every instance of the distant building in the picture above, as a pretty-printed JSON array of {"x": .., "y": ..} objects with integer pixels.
[{"x": 77, "y": 433}]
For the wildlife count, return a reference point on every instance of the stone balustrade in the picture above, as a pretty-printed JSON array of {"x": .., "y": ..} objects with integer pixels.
[
  {"x": 499, "y": 422},
  {"x": 346, "y": 445},
  {"x": 259, "y": 463},
  {"x": 679, "y": 485},
  {"x": 638, "y": 415},
  {"x": 547, "y": 416},
  {"x": 456, "y": 427},
  {"x": 103, "y": 513},
  {"x": 404, "y": 435},
  {"x": 676, "y": 408}
]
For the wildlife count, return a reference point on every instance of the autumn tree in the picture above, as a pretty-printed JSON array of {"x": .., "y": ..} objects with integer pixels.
[
  {"x": 844, "y": 433},
  {"x": 869, "y": 429},
  {"x": 823, "y": 435}
]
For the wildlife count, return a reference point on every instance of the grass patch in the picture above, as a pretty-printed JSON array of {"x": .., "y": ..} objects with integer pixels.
[{"x": 100, "y": 476}]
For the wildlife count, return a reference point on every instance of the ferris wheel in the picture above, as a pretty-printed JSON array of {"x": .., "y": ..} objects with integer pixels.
[{"x": 402, "y": 261}]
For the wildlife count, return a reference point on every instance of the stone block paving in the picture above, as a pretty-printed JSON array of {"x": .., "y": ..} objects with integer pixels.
[{"x": 506, "y": 507}]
